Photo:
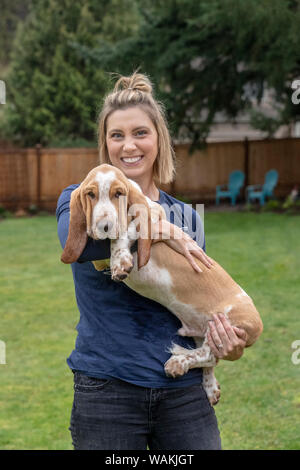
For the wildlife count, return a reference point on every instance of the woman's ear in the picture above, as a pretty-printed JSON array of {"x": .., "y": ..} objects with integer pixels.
[
  {"x": 77, "y": 236},
  {"x": 140, "y": 212}
]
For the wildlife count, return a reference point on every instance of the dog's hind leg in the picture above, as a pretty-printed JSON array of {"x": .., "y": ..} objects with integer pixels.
[
  {"x": 183, "y": 359},
  {"x": 211, "y": 385}
]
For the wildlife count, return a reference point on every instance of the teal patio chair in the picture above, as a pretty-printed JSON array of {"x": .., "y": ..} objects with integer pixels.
[
  {"x": 261, "y": 192},
  {"x": 236, "y": 181}
]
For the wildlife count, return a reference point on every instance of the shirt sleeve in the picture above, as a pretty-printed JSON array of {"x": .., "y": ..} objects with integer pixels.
[
  {"x": 184, "y": 216},
  {"x": 94, "y": 249},
  {"x": 197, "y": 232}
]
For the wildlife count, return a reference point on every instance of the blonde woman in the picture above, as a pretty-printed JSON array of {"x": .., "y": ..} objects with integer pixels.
[{"x": 123, "y": 399}]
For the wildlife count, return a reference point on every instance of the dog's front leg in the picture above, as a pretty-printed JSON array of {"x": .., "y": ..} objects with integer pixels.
[{"x": 121, "y": 259}]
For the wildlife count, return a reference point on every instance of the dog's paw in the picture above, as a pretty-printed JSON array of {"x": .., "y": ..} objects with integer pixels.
[
  {"x": 213, "y": 392},
  {"x": 121, "y": 269},
  {"x": 176, "y": 366},
  {"x": 214, "y": 397}
]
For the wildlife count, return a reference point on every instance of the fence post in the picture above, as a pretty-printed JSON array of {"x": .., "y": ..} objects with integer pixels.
[
  {"x": 246, "y": 162},
  {"x": 38, "y": 148}
]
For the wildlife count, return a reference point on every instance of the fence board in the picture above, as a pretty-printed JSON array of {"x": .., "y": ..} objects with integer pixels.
[
  {"x": 18, "y": 177},
  {"x": 282, "y": 155},
  {"x": 24, "y": 182},
  {"x": 62, "y": 167},
  {"x": 199, "y": 173}
]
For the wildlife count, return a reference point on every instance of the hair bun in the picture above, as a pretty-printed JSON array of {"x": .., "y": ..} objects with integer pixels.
[{"x": 136, "y": 81}]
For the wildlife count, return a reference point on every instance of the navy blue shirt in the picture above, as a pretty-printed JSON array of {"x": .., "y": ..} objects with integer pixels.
[{"x": 122, "y": 334}]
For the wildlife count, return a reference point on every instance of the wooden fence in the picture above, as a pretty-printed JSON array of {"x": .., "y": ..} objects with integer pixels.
[{"x": 38, "y": 175}]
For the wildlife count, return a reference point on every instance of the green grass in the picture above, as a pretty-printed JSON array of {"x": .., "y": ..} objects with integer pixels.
[
  {"x": 260, "y": 399},
  {"x": 38, "y": 319}
]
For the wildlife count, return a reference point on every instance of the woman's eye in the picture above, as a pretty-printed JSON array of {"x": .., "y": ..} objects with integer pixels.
[
  {"x": 116, "y": 135},
  {"x": 91, "y": 194},
  {"x": 141, "y": 133}
]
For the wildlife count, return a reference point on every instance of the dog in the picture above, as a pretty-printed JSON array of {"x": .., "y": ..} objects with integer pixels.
[{"x": 109, "y": 205}]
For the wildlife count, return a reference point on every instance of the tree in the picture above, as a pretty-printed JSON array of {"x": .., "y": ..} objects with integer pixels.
[
  {"x": 53, "y": 94},
  {"x": 12, "y": 11},
  {"x": 211, "y": 56}
]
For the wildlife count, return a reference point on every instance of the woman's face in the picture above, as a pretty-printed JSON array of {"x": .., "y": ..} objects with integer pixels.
[{"x": 132, "y": 142}]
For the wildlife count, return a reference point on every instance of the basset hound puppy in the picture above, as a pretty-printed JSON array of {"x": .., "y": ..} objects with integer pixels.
[{"x": 108, "y": 205}]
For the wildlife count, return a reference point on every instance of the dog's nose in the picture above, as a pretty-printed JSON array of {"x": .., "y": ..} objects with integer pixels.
[{"x": 104, "y": 226}]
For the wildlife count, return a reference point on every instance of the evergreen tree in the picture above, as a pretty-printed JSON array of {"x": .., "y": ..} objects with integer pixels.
[
  {"x": 54, "y": 94},
  {"x": 212, "y": 56},
  {"x": 12, "y": 12}
]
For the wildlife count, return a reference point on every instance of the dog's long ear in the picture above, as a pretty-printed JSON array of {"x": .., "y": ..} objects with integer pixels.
[
  {"x": 142, "y": 215},
  {"x": 77, "y": 236}
]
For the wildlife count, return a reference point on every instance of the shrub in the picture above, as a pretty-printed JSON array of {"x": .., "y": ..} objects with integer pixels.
[
  {"x": 272, "y": 206},
  {"x": 4, "y": 213}
]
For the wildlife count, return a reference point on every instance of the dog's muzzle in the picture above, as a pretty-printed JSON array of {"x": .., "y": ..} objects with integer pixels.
[{"x": 105, "y": 228}]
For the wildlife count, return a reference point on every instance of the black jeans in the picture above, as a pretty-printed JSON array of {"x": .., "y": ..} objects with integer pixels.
[{"x": 116, "y": 415}]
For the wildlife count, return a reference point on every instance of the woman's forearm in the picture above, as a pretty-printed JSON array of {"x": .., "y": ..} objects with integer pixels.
[{"x": 181, "y": 242}]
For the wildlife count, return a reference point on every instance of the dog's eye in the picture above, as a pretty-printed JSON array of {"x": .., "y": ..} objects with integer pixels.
[
  {"x": 118, "y": 194},
  {"x": 91, "y": 194}
]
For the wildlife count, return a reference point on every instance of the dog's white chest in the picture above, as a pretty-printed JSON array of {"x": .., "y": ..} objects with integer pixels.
[{"x": 150, "y": 281}]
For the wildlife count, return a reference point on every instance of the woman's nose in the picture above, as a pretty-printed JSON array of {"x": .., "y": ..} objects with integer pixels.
[{"x": 129, "y": 145}]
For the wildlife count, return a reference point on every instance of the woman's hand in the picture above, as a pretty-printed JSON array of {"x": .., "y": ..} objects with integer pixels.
[
  {"x": 226, "y": 342},
  {"x": 181, "y": 242}
]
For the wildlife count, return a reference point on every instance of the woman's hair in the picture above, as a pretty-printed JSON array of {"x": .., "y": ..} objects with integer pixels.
[{"x": 128, "y": 92}]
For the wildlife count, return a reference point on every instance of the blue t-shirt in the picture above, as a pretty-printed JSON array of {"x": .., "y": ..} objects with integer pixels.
[{"x": 122, "y": 334}]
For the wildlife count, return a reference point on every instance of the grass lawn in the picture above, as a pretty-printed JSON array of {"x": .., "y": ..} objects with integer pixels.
[{"x": 260, "y": 400}]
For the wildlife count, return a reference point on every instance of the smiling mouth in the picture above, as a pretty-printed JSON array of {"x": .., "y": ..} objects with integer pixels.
[{"x": 131, "y": 160}]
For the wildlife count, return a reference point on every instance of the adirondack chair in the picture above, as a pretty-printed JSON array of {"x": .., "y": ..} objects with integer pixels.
[
  {"x": 261, "y": 192},
  {"x": 236, "y": 181}
]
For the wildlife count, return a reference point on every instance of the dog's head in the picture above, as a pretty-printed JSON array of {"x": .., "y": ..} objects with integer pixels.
[{"x": 102, "y": 207}]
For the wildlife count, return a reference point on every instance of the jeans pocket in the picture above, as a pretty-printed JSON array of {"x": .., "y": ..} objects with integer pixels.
[{"x": 84, "y": 383}]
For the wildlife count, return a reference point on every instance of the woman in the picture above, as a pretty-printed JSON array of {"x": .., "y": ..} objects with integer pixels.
[{"x": 123, "y": 399}]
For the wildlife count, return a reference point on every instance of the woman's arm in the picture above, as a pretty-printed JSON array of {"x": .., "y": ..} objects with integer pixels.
[{"x": 174, "y": 237}]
